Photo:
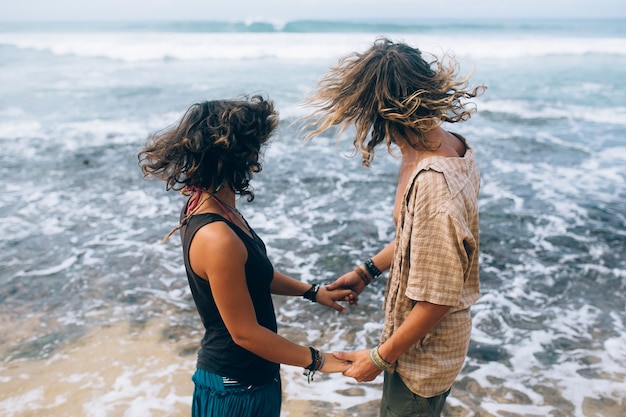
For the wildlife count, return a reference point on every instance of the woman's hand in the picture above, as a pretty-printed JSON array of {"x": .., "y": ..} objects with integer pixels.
[
  {"x": 332, "y": 364},
  {"x": 329, "y": 298}
]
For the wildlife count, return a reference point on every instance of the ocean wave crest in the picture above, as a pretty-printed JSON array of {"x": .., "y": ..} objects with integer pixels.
[{"x": 148, "y": 46}]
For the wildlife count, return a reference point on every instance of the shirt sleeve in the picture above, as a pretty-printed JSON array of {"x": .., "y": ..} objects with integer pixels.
[{"x": 438, "y": 259}]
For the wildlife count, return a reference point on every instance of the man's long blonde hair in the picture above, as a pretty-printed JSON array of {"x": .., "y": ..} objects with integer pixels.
[{"x": 389, "y": 90}]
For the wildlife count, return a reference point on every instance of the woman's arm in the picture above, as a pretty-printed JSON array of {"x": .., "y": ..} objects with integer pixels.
[
  {"x": 226, "y": 273},
  {"x": 285, "y": 285}
]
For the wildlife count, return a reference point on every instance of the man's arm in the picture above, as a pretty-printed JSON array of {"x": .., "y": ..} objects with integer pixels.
[{"x": 422, "y": 318}]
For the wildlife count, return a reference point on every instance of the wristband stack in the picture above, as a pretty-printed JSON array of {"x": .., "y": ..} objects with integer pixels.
[
  {"x": 363, "y": 275},
  {"x": 317, "y": 361},
  {"x": 368, "y": 271},
  {"x": 378, "y": 360}
]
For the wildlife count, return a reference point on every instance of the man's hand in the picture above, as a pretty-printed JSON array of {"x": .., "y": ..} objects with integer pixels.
[
  {"x": 349, "y": 280},
  {"x": 362, "y": 369}
]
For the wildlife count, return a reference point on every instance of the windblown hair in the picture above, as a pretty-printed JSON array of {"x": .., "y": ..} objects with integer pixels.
[
  {"x": 389, "y": 91},
  {"x": 217, "y": 143}
]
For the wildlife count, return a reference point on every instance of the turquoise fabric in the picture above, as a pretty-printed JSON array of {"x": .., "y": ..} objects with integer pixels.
[{"x": 215, "y": 397}]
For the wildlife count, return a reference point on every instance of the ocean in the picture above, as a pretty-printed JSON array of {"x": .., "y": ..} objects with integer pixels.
[{"x": 95, "y": 312}]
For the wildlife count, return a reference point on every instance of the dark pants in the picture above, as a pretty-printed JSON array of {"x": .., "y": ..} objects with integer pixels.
[{"x": 399, "y": 401}]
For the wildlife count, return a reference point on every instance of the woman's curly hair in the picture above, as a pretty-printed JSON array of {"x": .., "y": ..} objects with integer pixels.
[
  {"x": 216, "y": 143},
  {"x": 389, "y": 90}
]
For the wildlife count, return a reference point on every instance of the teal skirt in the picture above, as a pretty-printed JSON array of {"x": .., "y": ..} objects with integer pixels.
[{"x": 217, "y": 396}]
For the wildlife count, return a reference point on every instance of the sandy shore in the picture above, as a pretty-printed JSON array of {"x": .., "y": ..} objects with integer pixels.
[
  {"x": 115, "y": 371},
  {"x": 124, "y": 370}
]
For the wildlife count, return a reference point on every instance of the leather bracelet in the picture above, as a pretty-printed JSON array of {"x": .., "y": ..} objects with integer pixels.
[
  {"x": 317, "y": 361},
  {"x": 372, "y": 269},
  {"x": 311, "y": 293},
  {"x": 363, "y": 275}
]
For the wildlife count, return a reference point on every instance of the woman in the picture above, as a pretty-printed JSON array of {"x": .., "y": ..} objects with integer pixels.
[
  {"x": 211, "y": 156},
  {"x": 392, "y": 94}
]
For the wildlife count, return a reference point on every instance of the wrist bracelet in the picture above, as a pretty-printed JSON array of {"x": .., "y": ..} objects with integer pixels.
[
  {"x": 371, "y": 268},
  {"x": 311, "y": 293},
  {"x": 363, "y": 275},
  {"x": 317, "y": 361},
  {"x": 378, "y": 360}
]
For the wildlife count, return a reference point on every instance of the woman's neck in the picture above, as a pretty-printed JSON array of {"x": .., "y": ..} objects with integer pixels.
[
  {"x": 226, "y": 196},
  {"x": 222, "y": 200}
]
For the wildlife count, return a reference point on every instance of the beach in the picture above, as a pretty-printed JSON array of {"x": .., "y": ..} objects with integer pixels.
[
  {"x": 139, "y": 370},
  {"x": 95, "y": 312}
]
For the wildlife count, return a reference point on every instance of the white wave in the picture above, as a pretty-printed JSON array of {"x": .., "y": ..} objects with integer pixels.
[
  {"x": 519, "y": 374},
  {"x": 52, "y": 270},
  {"x": 327, "y": 388},
  {"x": 505, "y": 48},
  {"x": 184, "y": 46},
  {"x": 493, "y": 191},
  {"x": 127, "y": 46},
  {"x": 615, "y": 154},
  {"x": 615, "y": 347},
  {"x": 20, "y": 128},
  {"x": 73, "y": 135},
  {"x": 29, "y": 401},
  {"x": 528, "y": 110}
]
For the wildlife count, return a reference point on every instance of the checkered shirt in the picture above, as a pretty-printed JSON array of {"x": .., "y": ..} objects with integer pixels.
[{"x": 436, "y": 260}]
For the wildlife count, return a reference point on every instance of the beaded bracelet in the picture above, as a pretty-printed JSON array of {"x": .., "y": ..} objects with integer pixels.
[
  {"x": 311, "y": 293},
  {"x": 363, "y": 275},
  {"x": 317, "y": 361},
  {"x": 378, "y": 360},
  {"x": 371, "y": 268}
]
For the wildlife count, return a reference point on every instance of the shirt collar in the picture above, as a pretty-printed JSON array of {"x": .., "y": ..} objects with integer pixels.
[{"x": 456, "y": 170}]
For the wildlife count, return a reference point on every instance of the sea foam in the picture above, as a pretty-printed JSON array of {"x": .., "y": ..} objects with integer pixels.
[{"x": 133, "y": 46}]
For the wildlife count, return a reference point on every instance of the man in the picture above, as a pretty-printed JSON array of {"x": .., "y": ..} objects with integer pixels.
[{"x": 393, "y": 95}]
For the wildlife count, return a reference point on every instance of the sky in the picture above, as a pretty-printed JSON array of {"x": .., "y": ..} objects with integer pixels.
[{"x": 285, "y": 10}]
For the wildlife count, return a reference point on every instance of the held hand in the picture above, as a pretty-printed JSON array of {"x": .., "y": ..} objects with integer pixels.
[
  {"x": 362, "y": 369},
  {"x": 349, "y": 280},
  {"x": 332, "y": 364},
  {"x": 329, "y": 298}
]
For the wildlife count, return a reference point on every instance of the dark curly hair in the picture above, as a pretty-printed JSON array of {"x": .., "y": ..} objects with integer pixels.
[
  {"x": 389, "y": 90},
  {"x": 217, "y": 143}
]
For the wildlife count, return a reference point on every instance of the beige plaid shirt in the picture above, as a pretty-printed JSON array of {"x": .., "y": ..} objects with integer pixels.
[{"x": 436, "y": 260}]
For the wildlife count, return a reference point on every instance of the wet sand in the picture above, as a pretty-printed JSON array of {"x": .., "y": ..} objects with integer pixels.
[
  {"x": 144, "y": 370},
  {"x": 116, "y": 371}
]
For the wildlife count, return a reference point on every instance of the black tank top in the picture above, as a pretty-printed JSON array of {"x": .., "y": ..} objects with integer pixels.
[{"x": 219, "y": 353}]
